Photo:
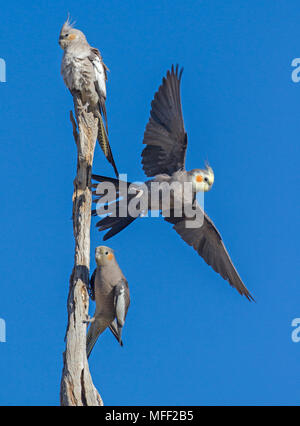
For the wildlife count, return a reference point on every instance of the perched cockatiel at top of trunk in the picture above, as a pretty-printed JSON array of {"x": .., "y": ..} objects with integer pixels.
[
  {"x": 84, "y": 72},
  {"x": 163, "y": 158},
  {"x": 109, "y": 288}
]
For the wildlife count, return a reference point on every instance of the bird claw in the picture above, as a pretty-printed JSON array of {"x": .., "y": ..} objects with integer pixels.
[
  {"x": 83, "y": 108},
  {"x": 89, "y": 320}
]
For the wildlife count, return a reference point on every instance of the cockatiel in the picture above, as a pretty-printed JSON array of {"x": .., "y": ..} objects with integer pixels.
[
  {"x": 84, "y": 72},
  {"x": 163, "y": 160},
  {"x": 109, "y": 288}
]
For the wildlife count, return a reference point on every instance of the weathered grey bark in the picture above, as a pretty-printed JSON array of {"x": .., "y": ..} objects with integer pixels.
[{"x": 77, "y": 387}]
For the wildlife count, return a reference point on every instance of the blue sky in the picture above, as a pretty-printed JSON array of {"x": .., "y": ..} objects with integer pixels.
[{"x": 189, "y": 338}]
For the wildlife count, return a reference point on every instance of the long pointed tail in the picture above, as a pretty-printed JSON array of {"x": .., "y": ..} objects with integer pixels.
[
  {"x": 114, "y": 222},
  {"x": 102, "y": 108},
  {"x": 114, "y": 329},
  {"x": 96, "y": 328}
]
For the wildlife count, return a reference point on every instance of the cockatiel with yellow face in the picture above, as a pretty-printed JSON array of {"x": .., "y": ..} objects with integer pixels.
[
  {"x": 85, "y": 73},
  {"x": 109, "y": 288},
  {"x": 163, "y": 161}
]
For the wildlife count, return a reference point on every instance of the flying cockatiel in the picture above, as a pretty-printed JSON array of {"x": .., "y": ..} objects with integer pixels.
[
  {"x": 84, "y": 72},
  {"x": 163, "y": 159},
  {"x": 109, "y": 288}
]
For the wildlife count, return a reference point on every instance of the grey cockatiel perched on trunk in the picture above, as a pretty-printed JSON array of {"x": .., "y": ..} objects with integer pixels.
[
  {"x": 109, "y": 288},
  {"x": 163, "y": 160},
  {"x": 85, "y": 73}
]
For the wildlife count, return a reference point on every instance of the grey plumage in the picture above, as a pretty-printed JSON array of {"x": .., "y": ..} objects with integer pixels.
[
  {"x": 109, "y": 288},
  {"x": 165, "y": 135},
  {"x": 164, "y": 158},
  {"x": 85, "y": 73}
]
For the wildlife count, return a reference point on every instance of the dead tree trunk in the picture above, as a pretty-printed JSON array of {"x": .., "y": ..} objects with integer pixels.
[{"x": 77, "y": 387}]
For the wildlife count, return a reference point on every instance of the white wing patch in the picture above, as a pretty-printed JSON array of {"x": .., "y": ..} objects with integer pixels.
[
  {"x": 100, "y": 75},
  {"x": 121, "y": 306}
]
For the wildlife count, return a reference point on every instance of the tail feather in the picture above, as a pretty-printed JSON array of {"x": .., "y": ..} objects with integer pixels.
[
  {"x": 104, "y": 143},
  {"x": 115, "y": 224},
  {"x": 93, "y": 333},
  {"x": 113, "y": 221},
  {"x": 103, "y": 111},
  {"x": 114, "y": 329},
  {"x": 101, "y": 179},
  {"x": 115, "y": 181},
  {"x": 115, "y": 229},
  {"x": 107, "y": 222}
]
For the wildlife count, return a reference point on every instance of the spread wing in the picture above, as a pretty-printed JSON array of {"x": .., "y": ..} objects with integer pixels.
[
  {"x": 165, "y": 136},
  {"x": 208, "y": 243}
]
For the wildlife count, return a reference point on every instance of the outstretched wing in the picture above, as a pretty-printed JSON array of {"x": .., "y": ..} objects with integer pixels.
[
  {"x": 165, "y": 136},
  {"x": 208, "y": 243}
]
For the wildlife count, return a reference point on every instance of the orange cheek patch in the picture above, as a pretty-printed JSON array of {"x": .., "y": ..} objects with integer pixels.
[
  {"x": 199, "y": 178},
  {"x": 72, "y": 36},
  {"x": 110, "y": 256}
]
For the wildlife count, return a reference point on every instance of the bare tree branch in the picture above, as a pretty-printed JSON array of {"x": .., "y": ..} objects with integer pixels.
[{"x": 77, "y": 387}]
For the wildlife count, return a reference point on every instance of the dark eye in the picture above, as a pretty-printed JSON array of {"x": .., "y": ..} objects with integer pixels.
[
  {"x": 66, "y": 35},
  {"x": 206, "y": 179},
  {"x": 106, "y": 252}
]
